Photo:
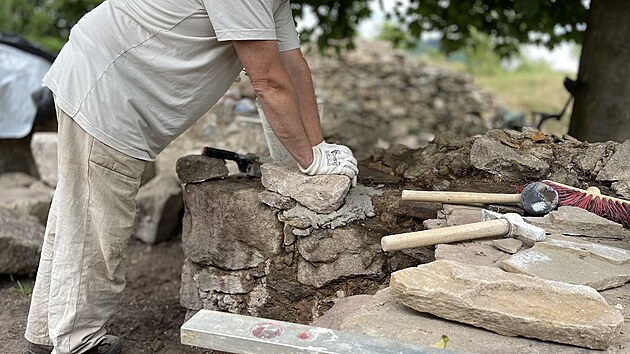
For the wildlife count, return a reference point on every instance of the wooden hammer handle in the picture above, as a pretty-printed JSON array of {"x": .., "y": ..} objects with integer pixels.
[
  {"x": 499, "y": 227},
  {"x": 460, "y": 197}
]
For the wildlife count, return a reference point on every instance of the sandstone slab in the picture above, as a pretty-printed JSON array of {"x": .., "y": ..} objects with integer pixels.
[
  {"x": 477, "y": 253},
  {"x": 383, "y": 316},
  {"x": 575, "y": 262},
  {"x": 570, "y": 220},
  {"x": 44, "y": 150},
  {"x": 21, "y": 238},
  {"x": 198, "y": 168},
  {"x": 321, "y": 193},
  {"x": 508, "y": 245},
  {"x": 509, "y": 304},
  {"x": 460, "y": 214},
  {"x": 31, "y": 201},
  {"x": 227, "y": 227},
  {"x": 159, "y": 207}
]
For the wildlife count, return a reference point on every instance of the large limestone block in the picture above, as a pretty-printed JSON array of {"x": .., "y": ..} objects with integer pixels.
[
  {"x": 383, "y": 316},
  {"x": 329, "y": 255},
  {"x": 21, "y": 238},
  {"x": 225, "y": 225},
  {"x": 159, "y": 207},
  {"x": 577, "y": 221},
  {"x": 571, "y": 261},
  {"x": 321, "y": 193},
  {"x": 491, "y": 156},
  {"x": 509, "y": 304},
  {"x": 44, "y": 150},
  {"x": 31, "y": 201}
]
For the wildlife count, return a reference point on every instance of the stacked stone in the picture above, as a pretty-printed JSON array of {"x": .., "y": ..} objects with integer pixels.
[
  {"x": 377, "y": 86},
  {"x": 289, "y": 251}
]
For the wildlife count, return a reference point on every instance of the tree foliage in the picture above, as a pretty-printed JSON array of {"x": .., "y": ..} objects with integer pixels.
[{"x": 508, "y": 22}]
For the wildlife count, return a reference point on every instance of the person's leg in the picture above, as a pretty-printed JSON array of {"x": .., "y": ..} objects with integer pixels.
[
  {"x": 96, "y": 211},
  {"x": 37, "y": 324}
]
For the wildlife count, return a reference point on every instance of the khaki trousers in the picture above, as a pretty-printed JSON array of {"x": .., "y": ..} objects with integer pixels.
[{"x": 80, "y": 276}]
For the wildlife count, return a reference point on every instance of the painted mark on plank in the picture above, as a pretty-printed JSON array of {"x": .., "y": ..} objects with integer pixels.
[
  {"x": 304, "y": 335},
  {"x": 267, "y": 330}
]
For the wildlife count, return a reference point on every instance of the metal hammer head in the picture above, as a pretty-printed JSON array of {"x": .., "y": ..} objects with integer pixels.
[
  {"x": 538, "y": 198},
  {"x": 519, "y": 228}
]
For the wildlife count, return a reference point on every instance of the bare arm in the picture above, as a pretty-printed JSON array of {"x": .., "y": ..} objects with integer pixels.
[
  {"x": 276, "y": 92},
  {"x": 300, "y": 75}
]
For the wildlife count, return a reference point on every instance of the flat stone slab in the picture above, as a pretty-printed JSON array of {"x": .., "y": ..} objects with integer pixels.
[
  {"x": 570, "y": 220},
  {"x": 508, "y": 245},
  {"x": 321, "y": 193},
  {"x": 383, "y": 316},
  {"x": 198, "y": 168},
  {"x": 509, "y": 304},
  {"x": 575, "y": 262},
  {"x": 477, "y": 253}
]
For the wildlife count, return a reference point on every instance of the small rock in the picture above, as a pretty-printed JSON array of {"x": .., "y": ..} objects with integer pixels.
[
  {"x": 486, "y": 297},
  {"x": 302, "y": 232},
  {"x": 276, "y": 200},
  {"x": 617, "y": 170},
  {"x": 434, "y": 224},
  {"x": 321, "y": 193},
  {"x": 44, "y": 150},
  {"x": 198, "y": 168},
  {"x": 509, "y": 245}
]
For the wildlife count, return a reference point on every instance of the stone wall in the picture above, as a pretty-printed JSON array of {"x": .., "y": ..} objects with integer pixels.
[
  {"x": 241, "y": 258},
  {"x": 377, "y": 96}
]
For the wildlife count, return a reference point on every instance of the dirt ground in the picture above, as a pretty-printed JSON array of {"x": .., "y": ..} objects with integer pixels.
[{"x": 152, "y": 315}]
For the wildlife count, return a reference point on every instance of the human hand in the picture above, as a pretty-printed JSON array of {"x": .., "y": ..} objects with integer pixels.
[{"x": 333, "y": 159}]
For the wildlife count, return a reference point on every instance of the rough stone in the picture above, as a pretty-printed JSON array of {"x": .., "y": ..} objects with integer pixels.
[
  {"x": 617, "y": 170},
  {"x": 329, "y": 255},
  {"x": 460, "y": 214},
  {"x": 477, "y": 253},
  {"x": 11, "y": 180},
  {"x": 276, "y": 200},
  {"x": 44, "y": 150},
  {"x": 227, "y": 227},
  {"x": 210, "y": 279},
  {"x": 21, "y": 238},
  {"x": 502, "y": 302},
  {"x": 577, "y": 221},
  {"x": 198, "y": 168},
  {"x": 434, "y": 224},
  {"x": 159, "y": 207},
  {"x": 382, "y": 316},
  {"x": 35, "y": 202},
  {"x": 491, "y": 156},
  {"x": 320, "y": 193},
  {"x": 188, "y": 291},
  {"x": 575, "y": 262},
  {"x": 509, "y": 245},
  {"x": 420, "y": 210},
  {"x": 357, "y": 206}
]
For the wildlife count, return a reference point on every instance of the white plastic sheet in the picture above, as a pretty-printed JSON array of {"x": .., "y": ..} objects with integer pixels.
[{"x": 21, "y": 76}]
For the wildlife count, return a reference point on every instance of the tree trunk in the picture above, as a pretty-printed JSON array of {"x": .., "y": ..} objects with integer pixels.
[{"x": 602, "y": 102}]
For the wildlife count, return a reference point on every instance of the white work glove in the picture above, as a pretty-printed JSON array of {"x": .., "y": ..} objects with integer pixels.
[{"x": 333, "y": 159}]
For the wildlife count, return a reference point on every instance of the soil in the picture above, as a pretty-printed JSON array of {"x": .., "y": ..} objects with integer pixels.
[{"x": 150, "y": 315}]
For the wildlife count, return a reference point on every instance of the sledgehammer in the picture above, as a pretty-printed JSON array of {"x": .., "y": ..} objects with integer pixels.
[
  {"x": 536, "y": 198},
  {"x": 493, "y": 224}
]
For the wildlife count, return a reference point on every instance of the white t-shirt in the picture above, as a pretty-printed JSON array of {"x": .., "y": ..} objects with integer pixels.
[{"x": 135, "y": 74}]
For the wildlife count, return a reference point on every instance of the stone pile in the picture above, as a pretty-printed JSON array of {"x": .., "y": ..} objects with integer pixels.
[
  {"x": 25, "y": 202},
  {"x": 377, "y": 96}
]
